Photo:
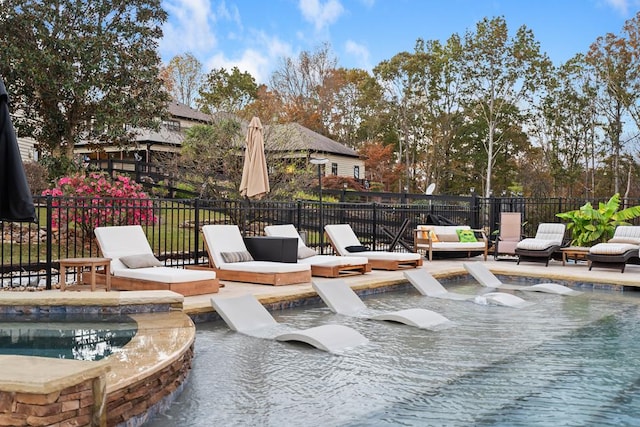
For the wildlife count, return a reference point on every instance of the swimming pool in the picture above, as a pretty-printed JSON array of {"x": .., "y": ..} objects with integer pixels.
[
  {"x": 563, "y": 361},
  {"x": 65, "y": 336}
]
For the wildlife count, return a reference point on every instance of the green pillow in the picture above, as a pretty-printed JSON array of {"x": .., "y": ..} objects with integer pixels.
[{"x": 466, "y": 236}]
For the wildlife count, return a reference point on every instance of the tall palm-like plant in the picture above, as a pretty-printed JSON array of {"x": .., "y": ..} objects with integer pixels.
[{"x": 590, "y": 226}]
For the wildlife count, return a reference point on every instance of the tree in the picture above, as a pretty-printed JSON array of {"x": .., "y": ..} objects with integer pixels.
[
  {"x": 229, "y": 92},
  {"x": 379, "y": 165},
  {"x": 566, "y": 126},
  {"x": 498, "y": 71},
  {"x": 211, "y": 158},
  {"x": 356, "y": 100},
  {"x": 617, "y": 66},
  {"x": 301, "y": 85},
  {"x": 185, "y": 76},
  {"x": 82, "y": 71}
]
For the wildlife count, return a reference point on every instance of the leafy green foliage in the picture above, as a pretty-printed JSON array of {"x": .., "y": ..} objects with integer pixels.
[
  {"x": 82, "y": 71},
  {"x": 590, "y": 226}
]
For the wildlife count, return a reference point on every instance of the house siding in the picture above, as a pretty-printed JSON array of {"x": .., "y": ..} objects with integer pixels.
[{"x": 345, "y": 165}]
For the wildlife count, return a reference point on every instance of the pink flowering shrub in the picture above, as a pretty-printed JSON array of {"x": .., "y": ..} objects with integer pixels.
[{"x": 94, "y": 199}]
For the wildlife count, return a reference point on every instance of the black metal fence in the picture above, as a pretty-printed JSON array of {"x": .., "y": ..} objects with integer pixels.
[{"x": 65, "y": 229}]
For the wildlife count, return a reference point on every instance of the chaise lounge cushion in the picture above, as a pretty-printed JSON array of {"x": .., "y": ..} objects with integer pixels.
[
  {"x": 532, "y": 244},
  {"x": 165, "y": 274},
  {"x": 612, "y": 248}
]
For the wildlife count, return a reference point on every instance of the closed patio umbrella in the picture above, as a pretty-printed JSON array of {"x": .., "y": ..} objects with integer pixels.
[
  {"x": 255, "y": 180},
  {"x": 16, "y": 203}
]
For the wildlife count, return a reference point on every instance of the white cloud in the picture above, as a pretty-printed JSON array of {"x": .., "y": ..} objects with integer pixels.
[
  {"x": 188, "y": 30},
  {"x": 624, "y": 7},
  {"x": 360, "y": 52},
  {"x": 321, "y": 14},
  {"x": 260, "y": 60}
]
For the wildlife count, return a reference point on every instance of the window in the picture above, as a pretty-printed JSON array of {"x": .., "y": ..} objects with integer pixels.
[
  {"x": 356, "y": 172},
  {"x": 334, "y": 169},
  {"x": 173, "y": 125}
]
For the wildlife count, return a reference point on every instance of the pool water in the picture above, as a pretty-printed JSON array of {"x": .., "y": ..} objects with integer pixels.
[
  {"x": 570, "y": 361},
  {"x": 80, "y": 337}
]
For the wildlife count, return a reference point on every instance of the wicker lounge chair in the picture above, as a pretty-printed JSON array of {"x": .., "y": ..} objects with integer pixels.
[
  {"x": 142, "y": 271},
  {"x": 345, "y": 243},
  {"x": 618, "y": 251},
  {"x": 543, "y": 246},
  {"x": 231, "y": 260},
  {"x": 246, "y": 315},
  {"x": 321, "y": 265},
  {"x": 341, "y": 299}
]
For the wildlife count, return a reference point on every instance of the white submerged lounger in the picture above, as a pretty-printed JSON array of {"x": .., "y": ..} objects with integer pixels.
[
  {"x": 246, "y": 315},
  {"x": 486, "y": 278},
  {"x": 341, "y": 299},
  {"x": 428, "y": 285}
]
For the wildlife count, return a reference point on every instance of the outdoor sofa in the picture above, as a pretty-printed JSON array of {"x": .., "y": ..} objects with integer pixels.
[{"x": 450, "y": 238}]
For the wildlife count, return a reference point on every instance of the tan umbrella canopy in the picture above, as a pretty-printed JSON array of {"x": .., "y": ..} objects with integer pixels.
[{"x": 255, "y": 181}]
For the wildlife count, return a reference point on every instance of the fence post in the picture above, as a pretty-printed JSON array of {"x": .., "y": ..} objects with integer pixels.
[
  {"x": 49, "y": 244},
  {"x": 196, "y": 238},
  {"x": 375, "y": 224},
  {"x": 475, "y": 211},
  {"x": 299, "y": 214}
]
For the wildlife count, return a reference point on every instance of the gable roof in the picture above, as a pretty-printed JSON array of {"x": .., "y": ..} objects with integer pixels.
[
  {"x": 292, "y": 136},
  {"x": 183, "y": 111}
]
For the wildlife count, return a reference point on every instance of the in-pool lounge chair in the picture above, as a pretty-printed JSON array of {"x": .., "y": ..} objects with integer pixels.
[
  {"x": 135, "y": 268},
  {"x": 231, "y": 260},
  {"x": 429, "y": 286},
  {"x": 345, "y": 243},
  {"x": 321, "y": 265},
  {"x": 246, "y": 315},
  {"x": 621, "y": 249},
  {"x": 486, "y": 278},
  {"x": 544, "y": 245},
  {"x": 341, "y": 299}
]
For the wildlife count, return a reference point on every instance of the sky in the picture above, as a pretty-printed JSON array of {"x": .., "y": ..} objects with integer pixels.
[{"x": 255, "y": 35}]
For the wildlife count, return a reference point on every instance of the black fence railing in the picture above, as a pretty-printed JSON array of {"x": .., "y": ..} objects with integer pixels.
[{"x": 65, "y": 228}]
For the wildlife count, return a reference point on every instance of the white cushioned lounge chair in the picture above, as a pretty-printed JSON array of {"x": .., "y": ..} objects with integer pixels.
[
  {"x": 128, "y": 244},
  {"x": 341, "y": 299},
  {"x": 622, "y": 248},
  {"x": 342, "y": 237},
  {"x": 321, "y": 265},
  {"x": 548, "y": 241},
  {"x": 246, "y": 315},
  {"x": 225, "y": 241},
  {"x": 486, "y": 278},
  {"x": 429, "y": 286}
]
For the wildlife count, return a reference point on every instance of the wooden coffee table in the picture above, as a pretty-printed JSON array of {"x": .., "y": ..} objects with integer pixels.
[
  {"x": 576, "y": 253},
  {"x": 80, "y": 264}
]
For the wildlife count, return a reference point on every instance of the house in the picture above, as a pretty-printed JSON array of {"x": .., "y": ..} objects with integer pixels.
[{"x": 292, "y": 140}]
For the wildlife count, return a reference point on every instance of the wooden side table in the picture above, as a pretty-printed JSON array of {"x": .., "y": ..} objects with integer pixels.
[
  {"x": 577, "y": 253},
  {"x": 80, "y": 264}
]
